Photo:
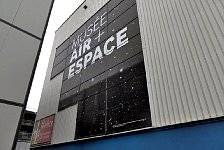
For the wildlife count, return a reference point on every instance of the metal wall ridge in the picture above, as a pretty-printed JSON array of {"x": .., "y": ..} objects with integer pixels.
[{"x": 183, "y": 43}]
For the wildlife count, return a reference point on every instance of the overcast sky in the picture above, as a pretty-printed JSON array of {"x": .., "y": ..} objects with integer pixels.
[{"x": 62, "y": 9}]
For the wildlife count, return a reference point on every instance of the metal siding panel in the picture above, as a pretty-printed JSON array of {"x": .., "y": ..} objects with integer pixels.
[
  {"x": 31, "y": 16},
  {"x": 64, "y": 126},
  {"x": 4, "y": 31},
  {"x": 214, "y": 54},
  {"x": 186, "y": 63},
  {"x": 183, "y": 43},
  {"x": 196, "y": 69},
  {"x": 9, "y": 121},
  {"x": 8, "y": 9},
  {"x": 143, "y": 14},
  {"x": 17, "y": 57},
  {"x": 51, "y": 90}
]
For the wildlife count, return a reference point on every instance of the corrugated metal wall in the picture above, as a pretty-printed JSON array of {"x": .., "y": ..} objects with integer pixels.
[{"x": 183, "y": 44}]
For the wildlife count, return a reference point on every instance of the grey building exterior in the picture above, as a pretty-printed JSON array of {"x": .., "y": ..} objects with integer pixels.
[
  {"x": 25, "y": 132},
  {"x": 182, "y": 45},
  {"x": 22, "y": 27}
]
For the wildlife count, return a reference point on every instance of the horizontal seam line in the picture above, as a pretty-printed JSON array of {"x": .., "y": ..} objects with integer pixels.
[
  {"x": 20, "y": 29},
  {"x": 11, "y": 103}
]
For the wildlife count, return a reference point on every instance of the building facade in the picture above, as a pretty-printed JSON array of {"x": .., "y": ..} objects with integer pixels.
[
  {"x": 22, "y": 28},
  {"x": 136, "y": 74},
  {"x": 26, "y": 129}
]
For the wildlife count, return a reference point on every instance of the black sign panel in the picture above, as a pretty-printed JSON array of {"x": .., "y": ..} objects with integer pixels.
[{"x": 104, "y": 72}]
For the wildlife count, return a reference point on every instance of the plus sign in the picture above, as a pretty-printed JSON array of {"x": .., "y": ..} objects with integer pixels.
[{"x": 99, "y": 35}]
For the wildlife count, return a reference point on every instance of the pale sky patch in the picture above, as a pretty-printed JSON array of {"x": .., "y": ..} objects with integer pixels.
[{"x": 62, "y": 9}]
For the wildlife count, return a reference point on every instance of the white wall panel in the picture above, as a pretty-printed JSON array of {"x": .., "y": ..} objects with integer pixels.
[
  {"x": 18, "y": 52},
  {"x": 17, "y": 56},
  {"x": 4, "y": 30},
  {"x": 32, "y": 16},
  {"x": 183, "y": 43},
  {"x": 8, "y": 9},
  {"x": 9, "y": 121},
  {"x": 64, "y": 125}
]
